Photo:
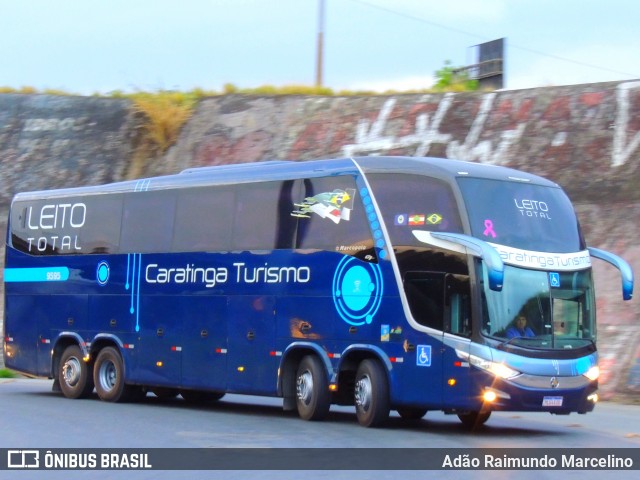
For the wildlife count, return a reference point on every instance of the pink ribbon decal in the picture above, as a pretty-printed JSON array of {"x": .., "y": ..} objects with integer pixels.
[{"x": 488, "y": 229}]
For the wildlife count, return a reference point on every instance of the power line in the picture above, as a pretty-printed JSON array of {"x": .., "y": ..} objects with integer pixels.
[{"x": 485, "y": 39}]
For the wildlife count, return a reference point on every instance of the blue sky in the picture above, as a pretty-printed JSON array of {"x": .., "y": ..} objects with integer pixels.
[{"x": 87, "y": 46}]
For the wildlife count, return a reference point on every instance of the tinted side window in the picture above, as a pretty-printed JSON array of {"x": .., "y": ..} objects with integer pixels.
[
  {"x": 262, "y": 218},
  {"x": 101, "y": 232},
  {"x": 458, "y": 304},
  {"x": 411, "y": 202},
  {"x": 204, "y": 217},
  {"x": 147, "y": 221},
  {"x": 20, "y": 233},
  {"x": 425, "y": 294},
  {"x": 52, "y": 226},
  {"x": 332, "y": 217}
]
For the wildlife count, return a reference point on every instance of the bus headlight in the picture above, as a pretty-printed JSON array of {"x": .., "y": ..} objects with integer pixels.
[
  {"x": 498, "y": 369},
  {"x": 593, "y": 373}
]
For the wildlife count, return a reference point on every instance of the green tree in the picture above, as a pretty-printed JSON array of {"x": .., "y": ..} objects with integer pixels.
[{"x": 454, "y": 79}]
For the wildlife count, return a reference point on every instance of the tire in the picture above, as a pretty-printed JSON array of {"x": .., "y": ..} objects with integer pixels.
[
  {"x": 108, "y": 376},
  {"x": 411, "y": 413},
  {"x": 75, "y": 377},
  {"x": 313, "y": 398},
  {"x": 473, "y": 420},
  {"x": 199, "y": 397},
  {"x": 371, "y": 394}
]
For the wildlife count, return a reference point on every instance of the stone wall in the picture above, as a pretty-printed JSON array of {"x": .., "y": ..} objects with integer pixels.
[
  {"x": 585, "y": 137},
  {"x": 53, "y": 142}
]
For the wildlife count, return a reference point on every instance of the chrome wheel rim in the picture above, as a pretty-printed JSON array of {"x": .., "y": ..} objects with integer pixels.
[
  {"x": 71, "y": 371},
  {"x": 107, "y": 376},
  {"x": 362, "y": 393},
  {"x": 304, "y": 387}
]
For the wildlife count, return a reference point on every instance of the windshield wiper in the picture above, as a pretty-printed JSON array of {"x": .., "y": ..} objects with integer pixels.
[{"x": 509, "y": 340}]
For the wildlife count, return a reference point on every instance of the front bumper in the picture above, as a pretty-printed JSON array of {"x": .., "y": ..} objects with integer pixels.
[{"x": 560, "y": 395}]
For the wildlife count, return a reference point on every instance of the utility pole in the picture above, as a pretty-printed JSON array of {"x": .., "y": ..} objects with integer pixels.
[{"x": 320, "y": 45}]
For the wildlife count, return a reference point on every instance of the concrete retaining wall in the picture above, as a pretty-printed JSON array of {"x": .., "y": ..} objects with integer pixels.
[{"x": 585, "y": 137}]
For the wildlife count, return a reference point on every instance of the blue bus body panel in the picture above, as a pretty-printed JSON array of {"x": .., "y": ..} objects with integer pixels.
[
  {"x": 224, "y": 321},
  {"x": 177, "y": 334}
]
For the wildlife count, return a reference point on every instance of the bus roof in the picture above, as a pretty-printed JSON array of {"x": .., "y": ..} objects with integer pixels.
[
  {"x": 447, "y": 169},
  {"x": 443, "y": 168}
]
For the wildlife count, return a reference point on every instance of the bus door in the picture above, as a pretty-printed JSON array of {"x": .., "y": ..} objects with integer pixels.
[
  {"x": 251, "y": 361},
  {"x": 457, "y": 328},
  {"x": 441, "y": 301},
  {"x": 425, "y": 294}
]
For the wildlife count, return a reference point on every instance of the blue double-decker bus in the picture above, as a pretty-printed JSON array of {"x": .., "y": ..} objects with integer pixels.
[{"x": 387, "y": 283}]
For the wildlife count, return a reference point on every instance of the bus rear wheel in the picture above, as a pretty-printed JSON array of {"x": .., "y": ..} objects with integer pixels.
[
  {"x": 313, "y": 398},
  {"x": 371, "y": 394},
  {"x": 74, "y": 374},
  {"x": 108, "y": 376}
]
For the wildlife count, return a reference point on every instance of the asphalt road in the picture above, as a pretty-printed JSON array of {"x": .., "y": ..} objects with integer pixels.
[{"x": 35, "y": 417}]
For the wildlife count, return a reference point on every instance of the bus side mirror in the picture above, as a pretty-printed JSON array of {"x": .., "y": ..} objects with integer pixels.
[{"x": 620, "y": 264}]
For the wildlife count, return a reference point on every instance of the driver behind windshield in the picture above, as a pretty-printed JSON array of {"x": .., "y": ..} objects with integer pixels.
[{"x": 519, "y": 328}]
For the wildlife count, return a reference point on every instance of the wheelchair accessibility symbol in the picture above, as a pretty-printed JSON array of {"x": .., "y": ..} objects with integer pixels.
[
  {"x": 554, "y": 280},
  {"x": 423, "y": 356}
]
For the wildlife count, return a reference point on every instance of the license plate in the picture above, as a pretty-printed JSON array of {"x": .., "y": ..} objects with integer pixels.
[{"x": 552, "y": 402}]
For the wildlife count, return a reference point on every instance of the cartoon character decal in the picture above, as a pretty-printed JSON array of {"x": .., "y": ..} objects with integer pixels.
[{"x": 335, "y": 206}]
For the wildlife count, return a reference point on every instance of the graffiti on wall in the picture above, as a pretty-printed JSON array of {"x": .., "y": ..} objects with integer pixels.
[
  {"x": 623, "y": 146},
  {"x": 371, "y": 137},
  {"x": 596, "y": 125}
]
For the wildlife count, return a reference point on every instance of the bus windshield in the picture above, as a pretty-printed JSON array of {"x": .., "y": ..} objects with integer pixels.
[
  {"x": 531, "y": 217},
  {"x": 542, "y": 310}
]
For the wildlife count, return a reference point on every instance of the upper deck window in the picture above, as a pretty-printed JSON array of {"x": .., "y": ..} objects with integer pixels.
[
  {"x": 319, "y": 213},
  {"x": 331, "y": 216},
  {"x": 530, "y": 217},
  {"x": 262, "y": 219},
  {"x": 204, "y": 217},
  {"x": 414, "y": 202},
  {"x": 147, "y": 221}
]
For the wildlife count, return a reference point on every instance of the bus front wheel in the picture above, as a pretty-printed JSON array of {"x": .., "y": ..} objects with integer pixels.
[
  {"x": 313, "y": 398},
  {"x": 474, "y": 419},
  {"x": 108, "y": 376},
  {"x": 371, "y": 394},
  {"x": 74, "y": 374}
]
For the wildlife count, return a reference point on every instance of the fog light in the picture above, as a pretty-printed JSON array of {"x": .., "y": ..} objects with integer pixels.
[
  {"x": 489, "y": 396},
  {"x": 593, "y": 398}
]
